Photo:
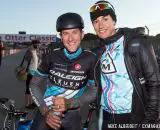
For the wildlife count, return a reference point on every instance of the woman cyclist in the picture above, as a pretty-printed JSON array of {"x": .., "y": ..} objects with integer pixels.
[
  {"x": 64, "y": 81},
  {"x": 33, "y": 62}
]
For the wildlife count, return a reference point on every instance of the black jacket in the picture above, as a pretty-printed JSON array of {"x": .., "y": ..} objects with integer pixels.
[{"x": 143, "y": 72}]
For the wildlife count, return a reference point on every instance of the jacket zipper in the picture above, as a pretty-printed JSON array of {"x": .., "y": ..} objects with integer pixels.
[
  {"x": 95, "y": 71},
  {"x": 133, "y": 82},
  {"x": 96, "y": 66}
]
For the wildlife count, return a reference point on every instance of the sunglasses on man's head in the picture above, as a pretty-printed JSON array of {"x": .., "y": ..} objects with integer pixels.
[{"x": 101, "y": 6}]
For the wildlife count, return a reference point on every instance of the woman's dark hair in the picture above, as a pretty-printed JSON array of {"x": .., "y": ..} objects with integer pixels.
[{"x": 35, "y": 43}]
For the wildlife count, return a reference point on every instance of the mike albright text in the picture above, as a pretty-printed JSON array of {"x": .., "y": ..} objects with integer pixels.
[{"x": 134, "y": 126}]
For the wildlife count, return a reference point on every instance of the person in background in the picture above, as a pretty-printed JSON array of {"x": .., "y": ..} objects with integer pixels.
[
  {"x": 1, "y": 49},
  {"x": 127, "y": 73},
  {"x": 33, "y": 59},
  {"x": 64, "y": 81}
]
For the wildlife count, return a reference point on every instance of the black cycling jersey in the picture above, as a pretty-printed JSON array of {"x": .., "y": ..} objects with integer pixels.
[
  {"x": 70, "y": 76},
  {"x": 67, "y": 78}
]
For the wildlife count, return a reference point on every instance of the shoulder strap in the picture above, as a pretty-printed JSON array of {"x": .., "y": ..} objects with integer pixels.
[
  {"x": 135, "y": 59},
  {"x": 21, "y": 64},
  {"x": 28, "y": 64},
  {"x": 22, "y": 61},
  {"x": 138, "y": 72}
]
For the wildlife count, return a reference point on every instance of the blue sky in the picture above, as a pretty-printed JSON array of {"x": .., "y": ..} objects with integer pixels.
[{"x": 39, "y": 16}]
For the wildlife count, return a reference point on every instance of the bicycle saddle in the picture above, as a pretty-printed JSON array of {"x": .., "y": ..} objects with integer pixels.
[{"x": 4, "y": 100}]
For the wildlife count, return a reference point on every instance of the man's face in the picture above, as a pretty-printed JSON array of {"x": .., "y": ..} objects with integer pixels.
[
  {"x": 104, "y": 26},
  {"x": 71, "y": 38}
]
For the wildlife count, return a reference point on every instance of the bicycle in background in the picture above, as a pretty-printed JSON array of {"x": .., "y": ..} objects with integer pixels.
[
  {"x": 93, "y": 107},
  {"x": 14, "y": 118}
]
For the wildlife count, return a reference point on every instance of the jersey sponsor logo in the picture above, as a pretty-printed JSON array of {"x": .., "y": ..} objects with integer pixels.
[
  {"x": 108, "y": 65},
  {"x": 62, "y": 65},
  {"x": 66, "y": 80},
  {"x": 74, "y": 85},
  {"x": 65, "y": 70},
  {"x": 65, "y": 76},
  {"x": 77, "y": 67},
  {"x": 77, "y": 72}
]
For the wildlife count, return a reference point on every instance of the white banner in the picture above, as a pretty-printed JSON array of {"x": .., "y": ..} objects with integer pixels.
[{"x": 27, "y": 38}]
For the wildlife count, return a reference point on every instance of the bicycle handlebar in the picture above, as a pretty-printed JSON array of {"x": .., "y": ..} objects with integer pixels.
[
  {"x": 20, "y": 113},
  {"x": 11, "y": 109},
  {"x": 4, "y": 100}
]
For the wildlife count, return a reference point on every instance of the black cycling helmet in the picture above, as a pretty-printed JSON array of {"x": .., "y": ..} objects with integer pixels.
[{"x": 69, "y": 21}]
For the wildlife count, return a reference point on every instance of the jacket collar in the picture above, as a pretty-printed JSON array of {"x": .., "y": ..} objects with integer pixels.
[
  {"x": 129, "y": 34},
  {"x": 112, "y": 38}
]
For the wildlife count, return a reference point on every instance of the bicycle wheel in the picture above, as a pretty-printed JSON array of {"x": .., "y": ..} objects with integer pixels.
[
  {"x": 9, "y": 123},
  {"x": 5, "y": 129}
]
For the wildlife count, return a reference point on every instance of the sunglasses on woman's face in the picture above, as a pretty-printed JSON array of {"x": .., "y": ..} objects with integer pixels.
[{"x": 101, "y": 6}]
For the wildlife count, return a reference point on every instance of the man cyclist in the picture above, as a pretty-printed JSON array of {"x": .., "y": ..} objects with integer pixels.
[
  {"x": 127, "y": 72},
  {"x": 66, "y": 77}
]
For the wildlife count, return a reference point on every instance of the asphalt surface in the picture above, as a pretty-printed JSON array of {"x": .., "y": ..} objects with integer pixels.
[{"x": 12, "y": 88}]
